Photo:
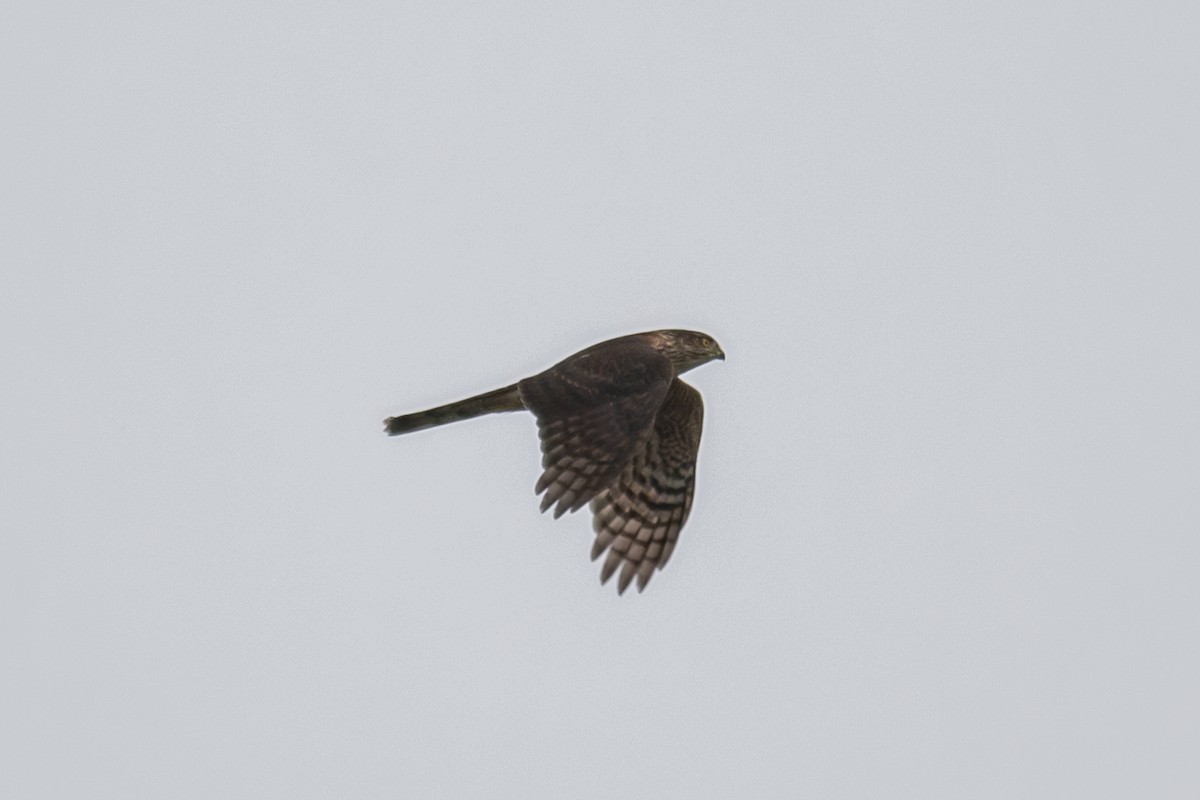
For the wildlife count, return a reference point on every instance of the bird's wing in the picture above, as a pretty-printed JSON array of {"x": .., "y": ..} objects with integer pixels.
[
  {"x": 638, "y": 518},
  {"x": 594, "y": 412}
]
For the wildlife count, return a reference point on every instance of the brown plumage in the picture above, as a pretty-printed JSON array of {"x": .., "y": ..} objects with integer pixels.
[{"x": 620, "y": 431}]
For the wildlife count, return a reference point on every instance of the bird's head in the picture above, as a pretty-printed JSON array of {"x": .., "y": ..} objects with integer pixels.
[{"x": 687, "y": 349}]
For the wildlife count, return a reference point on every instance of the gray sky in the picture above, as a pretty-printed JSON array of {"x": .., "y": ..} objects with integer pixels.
[{"x": 945, "y": 536}]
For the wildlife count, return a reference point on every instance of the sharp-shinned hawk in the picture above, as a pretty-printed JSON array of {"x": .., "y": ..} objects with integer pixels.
[{"x": 618, "y": 430}]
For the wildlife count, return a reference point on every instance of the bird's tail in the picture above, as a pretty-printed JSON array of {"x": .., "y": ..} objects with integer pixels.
[{"x": 506, "y": 399}]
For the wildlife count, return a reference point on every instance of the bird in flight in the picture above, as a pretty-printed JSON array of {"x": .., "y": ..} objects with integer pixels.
[{"x": 619, "y": 430}]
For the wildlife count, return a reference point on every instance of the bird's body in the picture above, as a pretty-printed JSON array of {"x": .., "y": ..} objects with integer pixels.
[{"x": 618, "y": 430}]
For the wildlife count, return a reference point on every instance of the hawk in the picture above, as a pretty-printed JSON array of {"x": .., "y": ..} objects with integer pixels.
[{"x": 619, "y": 430}]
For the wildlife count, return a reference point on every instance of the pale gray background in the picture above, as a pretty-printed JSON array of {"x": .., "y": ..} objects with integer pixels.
[{"x": 945, "y": 539}]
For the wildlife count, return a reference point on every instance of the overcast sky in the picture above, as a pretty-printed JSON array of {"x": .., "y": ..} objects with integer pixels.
[{"x": 946, "y": 536}]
